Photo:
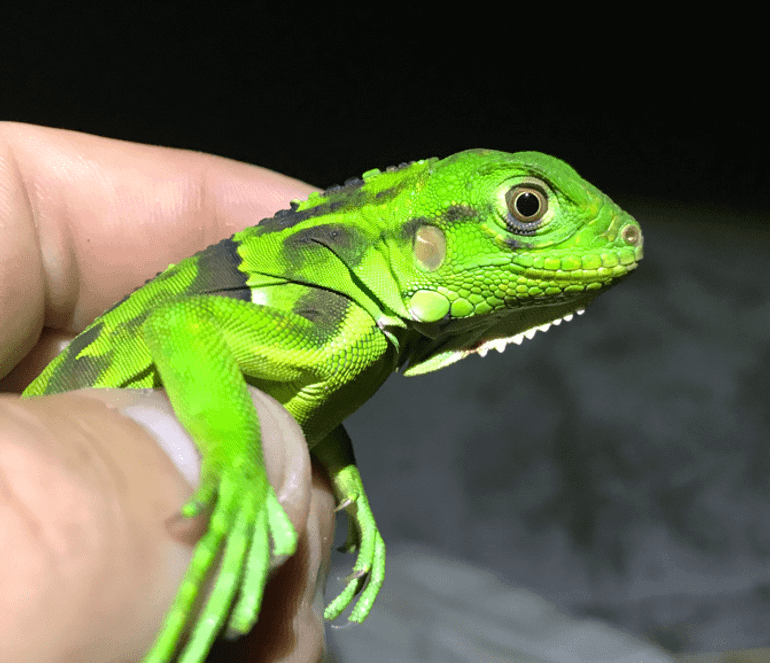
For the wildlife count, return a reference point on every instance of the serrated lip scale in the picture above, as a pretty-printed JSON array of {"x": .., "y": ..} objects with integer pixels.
[{"x": 500, "y": 343}]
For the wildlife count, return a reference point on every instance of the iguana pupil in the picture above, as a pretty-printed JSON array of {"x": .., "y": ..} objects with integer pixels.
[{"x": 527, "y": 204}]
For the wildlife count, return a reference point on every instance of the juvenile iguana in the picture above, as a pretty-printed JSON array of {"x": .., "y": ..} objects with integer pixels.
[{"x": 410, "y": 269}]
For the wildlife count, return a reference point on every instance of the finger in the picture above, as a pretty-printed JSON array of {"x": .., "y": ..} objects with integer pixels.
[
  {"x": 90, "y": 494},
  {"x": 88, "y": 219},
  {"x": 50, "y": 343}
]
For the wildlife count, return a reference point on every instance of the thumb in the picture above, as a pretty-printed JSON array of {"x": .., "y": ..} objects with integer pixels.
[{"x": 90, "y": 563}]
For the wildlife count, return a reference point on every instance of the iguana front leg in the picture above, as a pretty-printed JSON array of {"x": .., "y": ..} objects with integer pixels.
[
  {"x": 335, "y": 453},
  {"x": 192, "y": 345},
  {"x": 202, "y": 347}
]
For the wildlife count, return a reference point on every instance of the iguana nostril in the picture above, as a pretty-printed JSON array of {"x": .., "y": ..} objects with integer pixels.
[{"x": 632, "y": 234}]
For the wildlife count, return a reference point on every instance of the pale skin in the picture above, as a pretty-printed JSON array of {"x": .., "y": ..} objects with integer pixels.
[{"x": 93, "y": 554}]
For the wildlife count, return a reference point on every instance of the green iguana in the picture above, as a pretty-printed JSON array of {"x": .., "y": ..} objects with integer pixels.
[{"x": 409, "y": 269}]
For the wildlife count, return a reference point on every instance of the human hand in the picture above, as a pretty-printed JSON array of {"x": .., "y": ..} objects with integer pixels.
[{"x": 92, "y": 546}]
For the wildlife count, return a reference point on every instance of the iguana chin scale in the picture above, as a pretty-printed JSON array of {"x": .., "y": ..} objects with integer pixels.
[{"x": 409, "y": 269}]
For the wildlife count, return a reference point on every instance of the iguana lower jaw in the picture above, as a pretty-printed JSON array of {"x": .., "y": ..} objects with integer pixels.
[
  {"x": 541, "y": 319},
  {"x": 446, "y": 342},
  {"x": 500, "y": 344}
]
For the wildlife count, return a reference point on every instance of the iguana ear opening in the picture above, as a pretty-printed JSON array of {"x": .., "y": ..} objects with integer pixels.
[{"x": 429, "y": 248}]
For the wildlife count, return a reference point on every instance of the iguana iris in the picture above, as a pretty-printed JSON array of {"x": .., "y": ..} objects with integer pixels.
[{"x": 408, "y": 269}]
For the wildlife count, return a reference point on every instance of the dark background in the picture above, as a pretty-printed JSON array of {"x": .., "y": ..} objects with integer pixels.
[
  {"x": 617, "y": 466},
  {"x": 322, "y": 95}
]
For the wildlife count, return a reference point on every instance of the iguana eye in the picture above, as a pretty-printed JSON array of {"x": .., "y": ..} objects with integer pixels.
[{"x": 527, "y": 205}]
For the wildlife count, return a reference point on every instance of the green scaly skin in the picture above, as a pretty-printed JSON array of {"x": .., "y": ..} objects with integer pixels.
[{"x": 408, "y": 269}]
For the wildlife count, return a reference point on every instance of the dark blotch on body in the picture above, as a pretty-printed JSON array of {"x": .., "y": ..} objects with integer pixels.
[
  {"x": 75, "y": 372},
  {"x": 459, "y": 213},
  {"x": 344, "y": 241},
  {"x": 133, "y": 326},
  {"x": 453, "y": 214},
  {"x": 411, "y": 226},
  {"x": 386, "y": 195},
  {"x": 513, "y": 243},
  {"x": 218, "y": 272},
  {"x": 343, "y": 197},
  {"x": 324, "y": 308},
  {"x": 286, "y": 218}
]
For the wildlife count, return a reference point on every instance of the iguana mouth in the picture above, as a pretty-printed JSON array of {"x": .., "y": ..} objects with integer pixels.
[{"x": 500, "y": 344}]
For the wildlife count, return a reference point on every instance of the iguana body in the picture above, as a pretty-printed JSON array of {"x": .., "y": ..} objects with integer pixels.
[{"x": 417, "y": 266}]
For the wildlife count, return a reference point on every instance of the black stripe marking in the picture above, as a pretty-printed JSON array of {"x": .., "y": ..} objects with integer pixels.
[
  {"x": 286, "y": 218},
  {"x": 459, "y": 213},
  {"x": 132, "y": 327},
  {"x": 219, "y": 273},
  {"x": 324, "y": 308},
  {"x": 74, "y": 372},
  {"x": 513, "y": 243},
  {"x": 344, "y": 241}
]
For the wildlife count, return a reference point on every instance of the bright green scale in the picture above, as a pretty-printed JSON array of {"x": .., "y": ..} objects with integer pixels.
[{"x": 420, "y": 265}]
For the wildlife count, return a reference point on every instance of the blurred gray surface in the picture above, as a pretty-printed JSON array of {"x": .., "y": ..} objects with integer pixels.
[
  {"x": 616, "y": 466},
  {"x": 435, "y": 610}
]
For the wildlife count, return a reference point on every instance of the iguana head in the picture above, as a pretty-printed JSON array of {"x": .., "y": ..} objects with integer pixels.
[{"x": 501, "y": 245}]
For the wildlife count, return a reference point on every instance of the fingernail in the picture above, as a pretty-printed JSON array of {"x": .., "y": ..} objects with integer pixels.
[{"x": 153, "y": 412}]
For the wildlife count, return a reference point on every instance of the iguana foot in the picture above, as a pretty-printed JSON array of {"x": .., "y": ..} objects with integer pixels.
[
  {"x": 244, "y": 520},
  {"x": 363, "y": 536}
]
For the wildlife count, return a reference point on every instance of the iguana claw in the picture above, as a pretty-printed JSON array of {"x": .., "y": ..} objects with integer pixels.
[{"x": 369, "y": 571}]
